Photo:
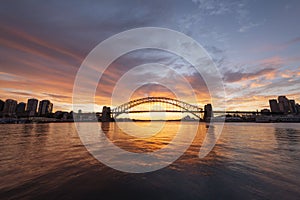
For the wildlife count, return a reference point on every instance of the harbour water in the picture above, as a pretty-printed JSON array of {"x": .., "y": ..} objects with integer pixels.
[{"x": 249, "y": 161}]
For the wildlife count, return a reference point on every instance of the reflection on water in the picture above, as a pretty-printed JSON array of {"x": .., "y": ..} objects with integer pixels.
[
  {"x": 123, "y": 139},
  {"x": 250, "y": 161}
]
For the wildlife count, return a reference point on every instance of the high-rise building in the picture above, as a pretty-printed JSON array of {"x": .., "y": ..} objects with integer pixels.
[
  {"x": 293, "y": 106},
  {"x": 31, "y": 107},
  {"x": 297, "y": 108},
  {"x": 1, "y": 105},
  {"x": 21, "y": 107},
  {"x": 45, "y": 107},
  {"x": 50, "y": 108},
  {"x": 284, "y": 104},
  {"x": 10, "y": 107},
  {"x": 274, "y": 106}
]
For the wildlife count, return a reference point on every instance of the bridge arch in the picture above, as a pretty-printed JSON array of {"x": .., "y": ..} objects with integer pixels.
[{"x": 186, "y": 107}]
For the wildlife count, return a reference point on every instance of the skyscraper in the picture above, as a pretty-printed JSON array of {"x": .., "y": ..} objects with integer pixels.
[
  {"x": 21, "y": 107},
  {"x": 293, "y": 106},
  {"x": 297, "y": 108},
  {"x": 274, "y": 106},
  {"x": 10, "y": 107},
  {"x": 45, "y": 107},
  {"x": 31, "y": 107},
  {"x": 284, "y": 104},
  {"x": 1, "y": 105}
]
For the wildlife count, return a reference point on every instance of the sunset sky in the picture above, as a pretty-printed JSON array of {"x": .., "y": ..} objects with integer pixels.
[{"x": 255, "y": 45}]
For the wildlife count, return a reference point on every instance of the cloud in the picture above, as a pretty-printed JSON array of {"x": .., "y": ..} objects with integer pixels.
[
  {"x": 238, "y": 76},
  {"x": 293, "y": 41},
  {"x": 279, "y": 46},
  {"x": 215, "y": 7},
  {"x": 26, "y": 94},
  {"x": 259, "y": 83},
  {"x": 236, "y": 8},
  {"x": 9, "y": 77},
  {"x": 247, "y": 26},
  {"x": 57, "y": 96},
  {"x": 42, "y": 47},
  {"x": 144, "y": 78},
  {"x": 271, "y": 61}
]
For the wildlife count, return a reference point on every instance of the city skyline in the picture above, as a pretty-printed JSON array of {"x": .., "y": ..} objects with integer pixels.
[
  {"x": 147, "y": 109},
  {"x": 41, "y": 107},
  {"x": 32, "y": 108},
  {"x": 254, "y": 46}
]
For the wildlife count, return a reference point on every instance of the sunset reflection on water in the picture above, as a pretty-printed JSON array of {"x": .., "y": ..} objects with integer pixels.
[{"x": 249, "y": 161}]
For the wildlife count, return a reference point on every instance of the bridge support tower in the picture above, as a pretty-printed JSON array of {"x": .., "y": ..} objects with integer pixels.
[
  {"x": 106, "y": 114},
  {"x": 208, "y": 112}
]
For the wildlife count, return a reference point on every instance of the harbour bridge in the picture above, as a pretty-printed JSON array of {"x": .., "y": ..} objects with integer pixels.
[
  {"x": 158, "y": 104},
  {"x": 164, "y": 105}
]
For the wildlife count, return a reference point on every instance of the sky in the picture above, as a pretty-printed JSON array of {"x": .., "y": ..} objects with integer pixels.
[{"x": 254, "y": 44}]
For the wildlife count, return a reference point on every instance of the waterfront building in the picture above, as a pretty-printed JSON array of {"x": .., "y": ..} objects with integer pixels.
[
  {"x": 50, "y": 108},
  {"x": 45, "y": 108},
  {"x": 284, "y": 104},
  {"x": 21, "y": 107},
  {"x": 292, "y": 106},
  {"x": 10, "y": 107},
  {"x": 265, "y": 111},
  {"x": 274, "y": 106},
  {"x": 1, "y": 105},
  {"x": 31, "y": 107},
  {"x": 297, "y": 108},
  {"x": 62, "y": 115}
]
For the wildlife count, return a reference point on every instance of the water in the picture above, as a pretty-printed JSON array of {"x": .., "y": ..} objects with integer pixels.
[{"x": 250, "y": 161}]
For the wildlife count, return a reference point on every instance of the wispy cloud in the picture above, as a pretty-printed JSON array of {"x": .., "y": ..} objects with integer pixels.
[
  {"x": 245, "y": 26},
  {"x": 9, "y": 77},
  {"x": 238, "y": 76},
  {"x": 280, "y": 46}
]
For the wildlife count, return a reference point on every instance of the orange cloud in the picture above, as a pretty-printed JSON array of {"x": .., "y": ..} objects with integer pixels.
[
  {"x": 275, "y": 60},
  {"x": 27, "y": 37},
  {"x": 271, "y": 75},
  {"x": 257, "y": 85}
]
